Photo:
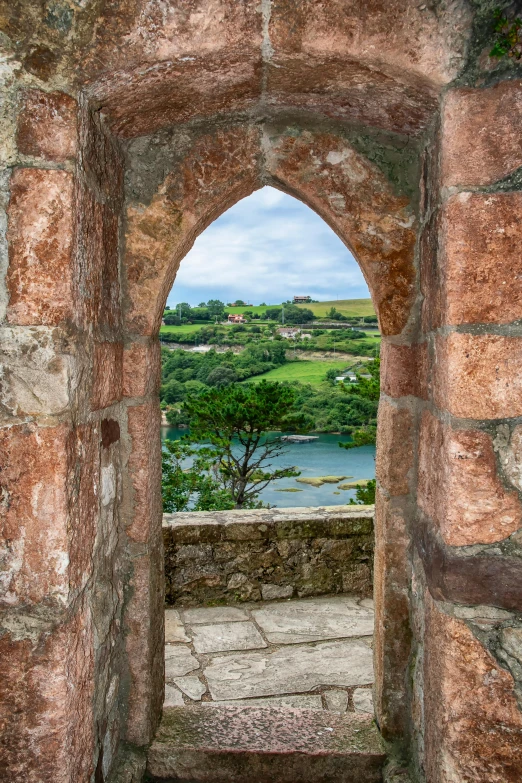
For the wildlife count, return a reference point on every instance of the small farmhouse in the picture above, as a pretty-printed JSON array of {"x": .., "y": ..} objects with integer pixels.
[
  {"x": 302, "y": 299},
  {"x": 236, "y": 318}
]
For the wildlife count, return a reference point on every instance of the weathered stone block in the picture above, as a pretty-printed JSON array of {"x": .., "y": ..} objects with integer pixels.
[
  {"x": 404, "y": 369},
  {"x": 47, "y": 125},
  {"x": 458, "y": 485},
  {"x": 40, "y": 234},
  {"x": 143, "y": 511},
  {"x": 480, "y": 242},
  {"x": 47, "y": 725},
  {"x": 107, "y": 374},
  {"x": 144, "y": 623},
  {"x": 394, "y": 463},
  {"x": 141, "y": 369},
  {"x": 38, "y": 372},
  {"x": 35, "y": 514},
  {"x": 479, "y": 376},
  {"x": 474, "y": 726},
  {"x": 481, "y": 134},
  {"x": 392, "y": 643}
]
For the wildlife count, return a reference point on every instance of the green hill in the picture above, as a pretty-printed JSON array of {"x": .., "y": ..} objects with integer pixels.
[{"x": 348, "y": 307}]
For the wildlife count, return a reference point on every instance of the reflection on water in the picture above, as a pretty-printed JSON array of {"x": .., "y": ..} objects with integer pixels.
[{"x": 321, "y": 457}]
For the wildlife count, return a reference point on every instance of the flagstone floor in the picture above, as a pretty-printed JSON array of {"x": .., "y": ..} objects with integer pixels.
[{"x": 313, "y": 653}]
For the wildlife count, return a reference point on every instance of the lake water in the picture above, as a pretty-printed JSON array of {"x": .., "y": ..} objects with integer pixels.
[{"x": 321, "y": 457}]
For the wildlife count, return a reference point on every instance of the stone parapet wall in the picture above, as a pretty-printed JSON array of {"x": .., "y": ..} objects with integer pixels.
[{"x": 216, "y": 556}]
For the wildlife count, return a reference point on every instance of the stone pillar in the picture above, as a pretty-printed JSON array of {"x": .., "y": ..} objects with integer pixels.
[
  {"x": 468, "y": 573},
  {"x": 62, "y": 587}
]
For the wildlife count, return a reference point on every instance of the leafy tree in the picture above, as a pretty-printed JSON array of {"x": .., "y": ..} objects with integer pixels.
[
  {"x": 216, "y": 308},
  {"x": 190, "y": 486},
  {"x": 221, "y": 376},
  {"x": 236, "y": 422},
  {"x": 364, "y": 496},
  {"x": 173, "y": 391}
]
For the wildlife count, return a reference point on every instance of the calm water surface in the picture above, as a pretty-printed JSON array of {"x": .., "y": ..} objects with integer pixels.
[{"x": 321, "y": 457}]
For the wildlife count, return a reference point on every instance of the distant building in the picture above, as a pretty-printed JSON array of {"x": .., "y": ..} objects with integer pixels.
[
  {"x": 236, "y": 319},
  {"x": 350, "y": 377},
  {"x": 288, "y": 333},
  {"x": 302, "y": 299}
]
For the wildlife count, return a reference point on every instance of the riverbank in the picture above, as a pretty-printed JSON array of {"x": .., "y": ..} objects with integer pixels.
[{"x": 321, "y": 457}]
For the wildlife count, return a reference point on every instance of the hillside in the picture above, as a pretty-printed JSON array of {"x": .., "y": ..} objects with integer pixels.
[{"x": 348, "y": 307}]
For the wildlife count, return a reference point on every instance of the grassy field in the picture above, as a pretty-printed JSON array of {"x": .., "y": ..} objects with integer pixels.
[
  {"x": 180, "y": 330},
  {"x": 348, "y": 307},
  {"x": 304, "y": 371}
]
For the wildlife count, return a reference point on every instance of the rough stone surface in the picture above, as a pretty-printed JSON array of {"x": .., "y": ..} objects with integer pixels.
[
  {"x": 107, "y": 381},
  {"x": 259, "y": 744},
  {"x": 173, "y": 697},
  {"x": 39, "y": 372},
  {"x": 290, "y": 670},
  {"x": 141, "y": 369},
  {"x": 174, "y": 631},
  {"x": 459, "y": 488},
  {"x": 475, "y": 727},
  {"x": 479, "y": 376},
  {"x": 226, "y": 636},
  {"x": 40, "y": 238},
  {"x": 143, "y": 510},
  {"x": 392, "y": 647},
  {"x": 214, "y": 614},
  {"x": 236, "y": 555},
  {"x": 307, "y": 621},
  {"x": 179, "y": 661},
  {"x": 35, "y": 552},
  {"x": 404, "y": 369},
  {"x": 47, "y": 125},
  {"x": 480, "y": 242},
  {"x": 302, "y": 702},
  {"x": 336, "y": 701},
  {"x": 363, "y": 700},
  {"x": 394, "y": 460},
  {"x": 481, "y": 134},
  {"x": 487, "y": 578},
  {"x": 191, "y": 687}
]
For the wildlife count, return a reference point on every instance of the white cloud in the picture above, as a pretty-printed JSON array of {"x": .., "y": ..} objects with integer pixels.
[{"x": 268, "y": 247}]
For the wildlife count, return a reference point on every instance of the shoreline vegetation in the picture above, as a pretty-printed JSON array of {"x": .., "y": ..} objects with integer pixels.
[{"x": 225, "y": 354}]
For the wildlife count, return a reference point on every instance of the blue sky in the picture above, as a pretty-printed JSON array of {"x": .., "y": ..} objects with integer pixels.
[{"x": 267, "y": 248}]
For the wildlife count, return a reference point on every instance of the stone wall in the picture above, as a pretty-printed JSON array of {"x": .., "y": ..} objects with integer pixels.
[{"x": 217, "y": 556}]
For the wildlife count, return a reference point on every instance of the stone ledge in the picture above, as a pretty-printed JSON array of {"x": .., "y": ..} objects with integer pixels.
[
  {"x": 235, "y": 744},
  {"x": 222, "y": 556}
]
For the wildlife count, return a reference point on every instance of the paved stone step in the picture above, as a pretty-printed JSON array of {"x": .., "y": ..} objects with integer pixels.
[{"x": 240, "y": 744}]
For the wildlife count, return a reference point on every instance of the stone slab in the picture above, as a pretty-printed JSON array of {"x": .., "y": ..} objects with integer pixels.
[
  {"x": 363, "y": 700},
  {"x": 235, "y": 744},
  {"x": 174, "y": 631},
  {"x": 290, "y": 670},
  {"x": 312, "y": 701},
  {"x": 173, "y": 697},
  {"x": 191, "y": 687},
  {"x": 336, "y": 701},
  {"x": 179, "y": 661},
  {"x": 221, "y": 637},
  {"x": 214, "y": 614},
  {"x": 314, "y": 620}
]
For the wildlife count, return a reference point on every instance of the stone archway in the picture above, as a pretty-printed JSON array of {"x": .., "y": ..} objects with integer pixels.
[
  {"x": 364, "y": 208},
  {"x": 81, "y": 561}
]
